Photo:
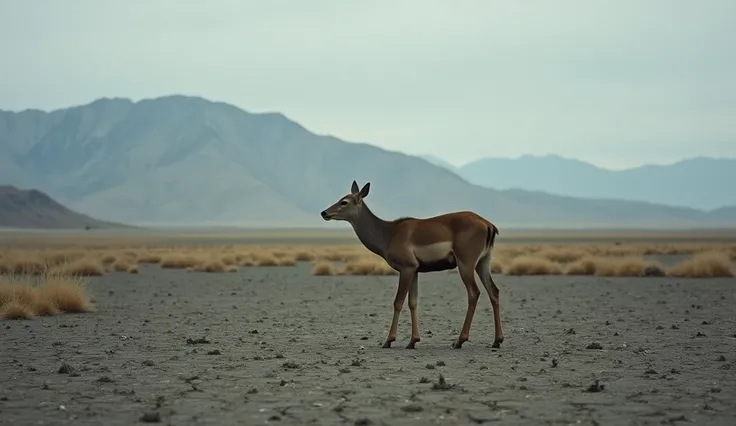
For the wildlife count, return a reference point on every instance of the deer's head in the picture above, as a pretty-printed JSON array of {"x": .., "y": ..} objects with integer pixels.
[{"x": 349, "y": 206}]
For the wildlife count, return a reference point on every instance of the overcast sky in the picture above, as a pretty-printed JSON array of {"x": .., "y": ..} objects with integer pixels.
[{"x": 616, "y": 83}]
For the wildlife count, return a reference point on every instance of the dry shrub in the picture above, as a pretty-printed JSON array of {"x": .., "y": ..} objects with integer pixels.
[
  {"x": 323, "y": 268},
  {"x": 23, "y": 264},
  {"x": 108, "y": 258},
  {"x": 229, "y": 259},
  {"x": 122, "y": 264},
  {"x": 304, "y": 256},
  {"x": 531, "y": 265},
  {"x": 561, "y": 254},
  {"x": 85, "y": 267},
  {"x": 147, "y": 257},
  {"x": 709, "y": 264},
  {"x": 50, "y": 294},
  {"x": 627, "y": 266},
  {"x": 266, "y": 260},
  {"x": 287, "y": 261},
  {"x": 211, "y": 265},
  {"x": 177, "y": 261},
  {"x": 133, "y": 269},
  {"x": 367, "y": 267},
  {"x": 584, "y": 266}
]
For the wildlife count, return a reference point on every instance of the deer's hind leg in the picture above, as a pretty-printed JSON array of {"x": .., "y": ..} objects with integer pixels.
[
  {"x": 413, "y": 296},
  {"x": 483, "y": 268}
]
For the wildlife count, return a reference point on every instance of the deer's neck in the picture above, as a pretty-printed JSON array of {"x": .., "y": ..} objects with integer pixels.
[{"x": 372, "y": 231}]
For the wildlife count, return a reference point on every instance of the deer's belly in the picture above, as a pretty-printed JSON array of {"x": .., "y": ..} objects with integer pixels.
[{"x": 435, "y": 257}]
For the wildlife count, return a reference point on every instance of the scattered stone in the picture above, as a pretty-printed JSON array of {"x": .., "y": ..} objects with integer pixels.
[
  {"x": 199, "y": 341},
  {"x": 148, "y": 363},
  {"x": 429, "y": 366},
  {"x": 596, "y": 386},
  {"x": 151, "y": 417},
  {"x": 290, "y": 364},
  {"x": 570, "y": 331},
  {"x": 675, "y": 327},
  {"x": 65, "y": 369},
  {"x": 721, "y": 358},
  {"x": 424, "y": 380},
  {"x": 594, "y": 345},
  {"x": 441, "y": 384},
  {"x": 254, "y": 331},
  {"x": 440, "y": 363},
  {"x": 412, "y": 408},
  {"x": 554, "y": 362},
  {"x": 105, "y": 379},
  {"x": 214, "y": 352}
]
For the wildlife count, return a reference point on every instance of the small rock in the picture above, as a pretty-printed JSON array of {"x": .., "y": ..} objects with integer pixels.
[
  {"x": 65, "y": 369},
  {"x": 151, "y": 417}
]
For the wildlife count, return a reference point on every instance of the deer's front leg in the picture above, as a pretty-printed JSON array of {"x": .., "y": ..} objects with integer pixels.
[{"x": 405, "y": 279}]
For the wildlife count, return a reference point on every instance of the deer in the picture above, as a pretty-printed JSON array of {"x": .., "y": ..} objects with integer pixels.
[{"x": 411, "y": 246}]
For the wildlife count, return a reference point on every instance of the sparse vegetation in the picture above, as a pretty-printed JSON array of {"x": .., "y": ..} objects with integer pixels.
[
  {"x": 91, "y": 256},
  {"x": 52, "y": 293}
]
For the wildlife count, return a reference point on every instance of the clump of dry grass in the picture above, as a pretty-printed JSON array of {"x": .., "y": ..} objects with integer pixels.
[
  {"x": 178, "y": 261},
  {"x": 84, "y": 267},
  {"x": 323, "y": 268},
  {"x": 125, "y": 264},
  {"x": 27, "y": 296},
  {"x": 531, "y": 265},
  {"x": 624, "y": 266},
  {"x": 213, "y": 265},
  {"x": 561, "y": 254},
  {"x": 367, "y": 266},
  {"x": 709, "y": 264}
]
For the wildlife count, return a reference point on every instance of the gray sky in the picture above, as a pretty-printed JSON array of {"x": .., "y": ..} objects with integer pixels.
[{"x": 616, "y": 83}]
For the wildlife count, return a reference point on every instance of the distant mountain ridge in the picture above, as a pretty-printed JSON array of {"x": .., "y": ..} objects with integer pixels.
[
  {"x": 181, "y": 160},
  {"x": 33, "y": 209},
  {"x": 700, "y": 182}
]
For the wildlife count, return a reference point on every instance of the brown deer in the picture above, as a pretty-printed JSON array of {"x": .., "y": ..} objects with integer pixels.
[{"x": 461, "y": 239}]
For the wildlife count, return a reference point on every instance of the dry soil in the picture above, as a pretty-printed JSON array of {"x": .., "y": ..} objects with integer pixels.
[{"x": 275, "y": 345}]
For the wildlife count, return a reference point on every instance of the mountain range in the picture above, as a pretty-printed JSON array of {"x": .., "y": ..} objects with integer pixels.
[
  {"x": 701, "y": 182},
  {"x": 185, "y": 160},
  {"x": 34, "y": 209}
]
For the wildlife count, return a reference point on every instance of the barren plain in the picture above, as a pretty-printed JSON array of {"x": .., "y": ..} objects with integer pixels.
[{"x": 218, "y": 331}]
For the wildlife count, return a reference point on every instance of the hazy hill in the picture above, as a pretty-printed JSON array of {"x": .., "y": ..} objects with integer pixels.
[
  {"x": 34, "y": 209},
  {"x": 704, "y": 183},
  {"x": 179, "y": 159}
]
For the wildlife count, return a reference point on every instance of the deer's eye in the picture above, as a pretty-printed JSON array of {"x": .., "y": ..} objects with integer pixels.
[{"x": 344, "y": 202}]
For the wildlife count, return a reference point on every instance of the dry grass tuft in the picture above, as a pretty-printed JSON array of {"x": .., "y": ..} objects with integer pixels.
[
  {"x": 531, "y": 265},
  {"x": 626, "y": 266},
  {"x": 132, "y": 269},
  {"x": 211, "y": 265},
  {"x": 178, "y": 261},
  {"x": 84, "y": 267},
  {"x": 49, "y": 294},
  {"x": 323, "y": 268},
  {"x": 367, "y": 266},
  {"x": 710, "y": 264}
]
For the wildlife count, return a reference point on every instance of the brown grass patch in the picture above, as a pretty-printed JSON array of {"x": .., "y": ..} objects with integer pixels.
[
  {"x": 367, "y": 266},
  {"x": 84, "y": 267},
  {"x": 178, "y": 261},
  {"x": 50, "y": 294},
  {"x": 531, "y": 265},
  {"x": 710, "y": 264},
  {"x": 323, "y": 268}
]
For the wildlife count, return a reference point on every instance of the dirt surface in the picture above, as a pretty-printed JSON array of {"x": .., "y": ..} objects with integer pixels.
[{"x": 285, "y": 347}]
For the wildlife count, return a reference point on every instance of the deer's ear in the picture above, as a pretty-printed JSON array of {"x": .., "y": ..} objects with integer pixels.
[
  {"x": 354, "y": 189},
  {"x": 364, "y": 191}
]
